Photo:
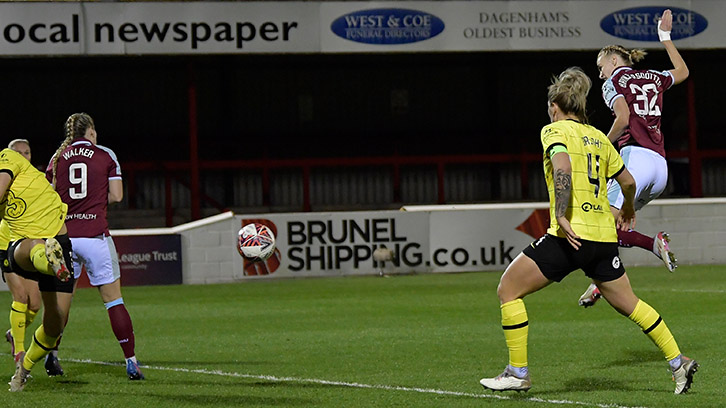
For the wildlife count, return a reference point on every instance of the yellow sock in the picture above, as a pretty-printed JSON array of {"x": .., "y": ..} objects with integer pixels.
[
  {"x": 41, "y": 345},
  {"x": 39, "y": 260},
  {"x": 29, "y": 317},
  {"x": 17, "y": 325},
  {"x": 516, "y": 330},
  {"x": 653, "y": 325}
]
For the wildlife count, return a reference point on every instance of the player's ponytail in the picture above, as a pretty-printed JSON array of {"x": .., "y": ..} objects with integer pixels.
[
  {"x": 75, "y": 127},
  {"x": 569, "y": 91},
  {"x": 636, "y": 55},
  {"x": 628, "y": 57}
]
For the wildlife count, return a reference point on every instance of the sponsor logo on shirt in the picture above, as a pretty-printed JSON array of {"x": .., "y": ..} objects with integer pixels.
[
  {"x": 587, "y": 207},
  {"x": 14, "y": 206},
  {"x": 81, "y": 217}
]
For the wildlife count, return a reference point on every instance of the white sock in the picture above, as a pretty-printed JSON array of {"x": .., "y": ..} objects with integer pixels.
[
  {"x": 519, "y": 372},
  {"x": 675, "y": 363}
]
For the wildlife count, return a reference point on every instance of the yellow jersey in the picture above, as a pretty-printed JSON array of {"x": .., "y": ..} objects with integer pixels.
[
  {"x": 594, "y": 160},
  {"x": 5, "y": 236},
  {"x": 30, "y": 206}
]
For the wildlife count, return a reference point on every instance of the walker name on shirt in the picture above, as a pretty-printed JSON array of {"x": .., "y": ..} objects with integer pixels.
[{"x": 78, "y": 151}]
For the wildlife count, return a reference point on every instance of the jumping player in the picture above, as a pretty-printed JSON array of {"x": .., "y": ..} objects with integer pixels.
[{"x": 636, "y": 99}]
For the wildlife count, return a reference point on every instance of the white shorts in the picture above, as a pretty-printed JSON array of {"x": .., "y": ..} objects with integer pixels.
[
  {"x": 99, "y": 257},
  {"x": 650, "y": 171}
]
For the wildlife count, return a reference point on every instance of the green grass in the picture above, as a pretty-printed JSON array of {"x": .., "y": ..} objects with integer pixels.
[{"x": 266, "y": 343}]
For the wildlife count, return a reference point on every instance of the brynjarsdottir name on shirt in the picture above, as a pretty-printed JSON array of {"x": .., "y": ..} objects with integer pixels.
[
  {"x": 647, "y": 75},
  {"x": 81, "y": 217}
]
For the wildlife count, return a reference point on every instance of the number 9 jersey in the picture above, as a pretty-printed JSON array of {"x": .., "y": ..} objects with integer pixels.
[
  {"x": 643, "y": 92},
  {"x": 82, "y": 176},
  {"x": 594, "y": 160}
]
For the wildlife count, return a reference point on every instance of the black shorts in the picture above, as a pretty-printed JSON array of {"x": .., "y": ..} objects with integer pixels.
[
  {"x": 4, "y": 263},
  {"x": 46, "y": 283},
  {"x": 556, "y": 258},
  {"x": 12, "y": 267}
]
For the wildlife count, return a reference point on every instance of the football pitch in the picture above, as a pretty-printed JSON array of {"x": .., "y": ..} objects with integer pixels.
[{"x": 404, "y": 341}]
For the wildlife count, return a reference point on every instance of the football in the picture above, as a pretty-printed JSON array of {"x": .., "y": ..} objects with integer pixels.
[{"x": 255, "y": 242}]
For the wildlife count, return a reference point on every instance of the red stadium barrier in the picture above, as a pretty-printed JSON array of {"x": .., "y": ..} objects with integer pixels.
[{"x": 173, "y": 170}]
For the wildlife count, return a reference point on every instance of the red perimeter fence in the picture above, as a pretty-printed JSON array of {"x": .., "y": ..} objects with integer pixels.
[{"x": 194, "y": 167}]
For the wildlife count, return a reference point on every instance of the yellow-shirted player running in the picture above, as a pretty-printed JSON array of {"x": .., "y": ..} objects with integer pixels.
[
  {"x": 34, "y": 212},
  {"x": 582, "y": 235}
]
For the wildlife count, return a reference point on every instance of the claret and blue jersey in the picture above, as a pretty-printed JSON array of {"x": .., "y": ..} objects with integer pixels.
[{"x": 643, "y": 92}]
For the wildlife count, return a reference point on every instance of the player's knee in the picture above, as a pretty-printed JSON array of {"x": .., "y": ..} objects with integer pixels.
[
  {"x": 19, "y": 294},
  {"x": 115, "y": 302},
  {"x": 505, "y": 293}
]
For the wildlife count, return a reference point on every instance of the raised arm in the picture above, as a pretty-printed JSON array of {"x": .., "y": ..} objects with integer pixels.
[{"x": 680, "y": 69}]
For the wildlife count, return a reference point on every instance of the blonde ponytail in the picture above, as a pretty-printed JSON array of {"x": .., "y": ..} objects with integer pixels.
[
  {"x": 629, "y": 57},
  {"x": 569, "y": 91},
  {"x": 75, "y": 127}
]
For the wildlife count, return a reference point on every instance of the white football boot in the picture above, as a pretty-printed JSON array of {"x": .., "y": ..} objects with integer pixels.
[
  {"x": 507, "y": 381},
  {"x": 663, "y": 251},
  {"x": 591, "y": 295},
  {"x": 17, "y": 383},
  {"x": 683, "y": 376},
  {"x": 54, "y": 253}
]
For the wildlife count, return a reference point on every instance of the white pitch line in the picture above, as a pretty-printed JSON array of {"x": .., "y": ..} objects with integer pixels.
[
  {"x": 682, "y": 290},
  {"x": 358, "y": 385}
]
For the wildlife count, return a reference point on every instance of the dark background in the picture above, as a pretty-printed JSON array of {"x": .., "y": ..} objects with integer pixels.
[{"x": 302, "y": 106}]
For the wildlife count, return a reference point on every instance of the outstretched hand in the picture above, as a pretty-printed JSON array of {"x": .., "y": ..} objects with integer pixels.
[
  {"x": 572, "y": 238},
  {"x": 666, "y": 21},
  {"x": 626, "y": 218}
]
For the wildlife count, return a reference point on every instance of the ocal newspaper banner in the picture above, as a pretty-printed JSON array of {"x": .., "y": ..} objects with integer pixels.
[
  {"x": 343, "y": 243},
  {"x": 147, "y": 260},
  {"x": 148, "y": 28},
  {"x": 82, "y": 28}
]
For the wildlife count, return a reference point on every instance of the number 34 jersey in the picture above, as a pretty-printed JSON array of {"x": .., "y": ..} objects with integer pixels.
[
  {"x": 593, "y": 160},
  {"x": 643, "y": 92},
  {"x": 82, "y": 177}
]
